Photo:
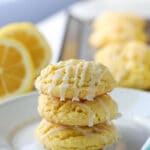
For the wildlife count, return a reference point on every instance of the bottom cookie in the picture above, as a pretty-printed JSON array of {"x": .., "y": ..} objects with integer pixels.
[{"x": 58, "y": 137}]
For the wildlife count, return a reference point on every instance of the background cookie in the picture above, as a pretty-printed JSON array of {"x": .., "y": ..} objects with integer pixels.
[
  {"x": 109, "y": 18},
  {"x": 57, "y": 137},
  {"x": 116, "y": 33},
  {"x": 117, "y": 27},
  {"x": 75, "y": 79},
  {"x": 85, "y": 113},
  {"x": 129, "y": 63}
]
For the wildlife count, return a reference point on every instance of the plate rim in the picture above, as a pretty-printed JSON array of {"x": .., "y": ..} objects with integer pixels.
[{"x": 16, "y": 98}]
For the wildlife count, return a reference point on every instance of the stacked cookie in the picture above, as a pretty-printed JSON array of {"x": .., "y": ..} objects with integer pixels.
[{"x": 75, "y": 106}]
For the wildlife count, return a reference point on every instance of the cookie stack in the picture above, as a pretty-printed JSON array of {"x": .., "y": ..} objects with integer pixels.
[{"x": 75, "y": 106}]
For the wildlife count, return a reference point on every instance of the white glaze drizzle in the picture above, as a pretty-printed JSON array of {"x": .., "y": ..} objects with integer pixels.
[
  {"x": 109, "y": 131},
  {"x": 96, "y": 71},
  {"x": 105, "y": 108},
  {"x": 91, "y": 114},
  {"x": 39, "y": 81},
  {"x": 64, "y": 85},
  {"x": 53, "y": 131},
  {"x": 98, "y": 129},
  {"x": 91, "y": 89},
  {"x": 54, "y": 101},
  {"x": 76, "y": 90},
  {"x": 106, "y": 130},
  {"x": 100, "y": 73},
  {"x": 85, "y": 67},
  {"x": 105, "y": 140},
  {"x": 55, "y": 77},
  {"x": 103, "y": 73},
  {"x": 81, "y": 130},
  {"x": 95, "y": 75},
  {"x": 109, "y": 123},
  {"x": 65, "y": 127}
]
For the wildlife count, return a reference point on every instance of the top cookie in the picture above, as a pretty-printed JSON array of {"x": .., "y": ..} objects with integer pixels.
[{"x": 75, "y": 79}]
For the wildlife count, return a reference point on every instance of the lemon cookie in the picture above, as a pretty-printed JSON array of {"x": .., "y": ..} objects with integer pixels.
[
  {"x": 109, "y": 18},
  {"x": 129, "y": 63},
  {"x": 58, "y": 137},
  {"x": 115, "y": 34},
  {"x": 75, "y": 79},
  {"x": 85, "y": 113}
]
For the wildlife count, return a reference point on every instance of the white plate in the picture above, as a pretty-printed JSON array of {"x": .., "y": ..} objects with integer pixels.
[{"x": 19, "y": 118}]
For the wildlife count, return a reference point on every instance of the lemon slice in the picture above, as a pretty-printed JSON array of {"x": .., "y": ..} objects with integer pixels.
[
  {"x": 16, "y": 68},
  {"x": 32, "y": 39}
]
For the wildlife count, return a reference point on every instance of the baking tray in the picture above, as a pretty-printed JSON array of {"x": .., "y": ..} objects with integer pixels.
[{"x": 75, "y": 42}]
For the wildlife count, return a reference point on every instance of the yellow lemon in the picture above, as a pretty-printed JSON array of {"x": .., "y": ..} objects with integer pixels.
[
  {"x": 16, "y": 68},
  {"x": 32, "y": 39}
]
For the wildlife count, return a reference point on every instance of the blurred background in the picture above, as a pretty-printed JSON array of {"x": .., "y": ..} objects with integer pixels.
[
  {"x": 29, "y": 10},
  {"x": 48, "y": 31}
]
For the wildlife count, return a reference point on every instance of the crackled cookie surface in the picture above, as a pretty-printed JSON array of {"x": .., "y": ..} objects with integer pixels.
[
  {"x": 115, "y": 34},
  {"x": 58, "y": 137},
  {"x": 75, "y": 79},
  {"x": 85, "y": 113},
  {"x": 117, "y": 27},
  {"x": 129, "y": 63}
]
